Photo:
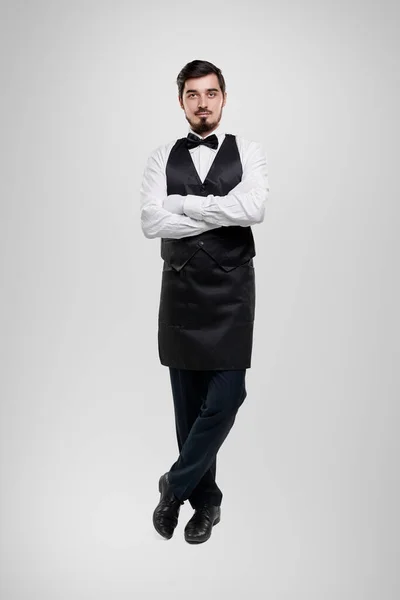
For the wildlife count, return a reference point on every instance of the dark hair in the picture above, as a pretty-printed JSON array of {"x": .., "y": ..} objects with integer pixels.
[{"x": 198, "y": 68}]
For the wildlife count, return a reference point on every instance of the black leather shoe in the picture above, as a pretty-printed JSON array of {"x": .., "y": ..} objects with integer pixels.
[
  {"x": 165, "y": 516},
  {"x": 199, "y": 528}
]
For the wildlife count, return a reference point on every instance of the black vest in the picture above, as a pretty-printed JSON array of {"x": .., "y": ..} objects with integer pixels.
[{"x": 229, "y": 246}]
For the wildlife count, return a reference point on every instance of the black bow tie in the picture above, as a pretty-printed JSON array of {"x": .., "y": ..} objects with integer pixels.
[{"x": 192, "y": 141}]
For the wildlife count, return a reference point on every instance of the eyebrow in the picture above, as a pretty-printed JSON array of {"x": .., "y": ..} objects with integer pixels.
[{"x": 207, "y": 90}]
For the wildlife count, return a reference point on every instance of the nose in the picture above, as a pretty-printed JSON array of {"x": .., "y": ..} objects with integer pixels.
[{"x": 203, "y": 103}]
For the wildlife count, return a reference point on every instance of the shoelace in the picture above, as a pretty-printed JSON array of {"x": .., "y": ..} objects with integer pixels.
[
  {"x": 203, "y": 511},
  {"x": 170, "y": 500}
]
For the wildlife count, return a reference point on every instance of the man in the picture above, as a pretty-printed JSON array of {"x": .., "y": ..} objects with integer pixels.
[{"x": 201, "y": 194}]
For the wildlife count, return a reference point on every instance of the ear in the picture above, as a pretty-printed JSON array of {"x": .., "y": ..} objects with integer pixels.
[
  {"x": 225, "y": 98},
  {"x": 180, "y": 102}
]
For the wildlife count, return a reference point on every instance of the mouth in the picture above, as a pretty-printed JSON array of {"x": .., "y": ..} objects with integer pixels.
[{"x": 202, "y": 114}]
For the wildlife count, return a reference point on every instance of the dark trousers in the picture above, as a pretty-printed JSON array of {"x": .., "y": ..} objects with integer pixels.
[{"x": 205, "y": 404}]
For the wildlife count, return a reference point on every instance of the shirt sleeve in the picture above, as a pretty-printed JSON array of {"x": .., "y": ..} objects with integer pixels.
[
  {"x": 157, "y": 221},
  {"x": 245, "y": 203}
]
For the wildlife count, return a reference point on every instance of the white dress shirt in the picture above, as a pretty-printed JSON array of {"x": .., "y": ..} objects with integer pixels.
[{"x": 177, "y": 216}]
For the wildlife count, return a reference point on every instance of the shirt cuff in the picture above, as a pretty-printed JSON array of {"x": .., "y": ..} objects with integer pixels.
[{"x": 192, "y": 206}]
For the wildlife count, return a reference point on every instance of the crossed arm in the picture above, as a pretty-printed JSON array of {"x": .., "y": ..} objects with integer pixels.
[{"x": 177, "y": 216}]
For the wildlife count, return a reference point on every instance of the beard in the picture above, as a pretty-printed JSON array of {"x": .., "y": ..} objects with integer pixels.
[{"x": 203, "y": 124}]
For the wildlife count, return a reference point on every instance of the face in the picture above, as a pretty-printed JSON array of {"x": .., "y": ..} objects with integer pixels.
[{"x": 203, "y": 95}]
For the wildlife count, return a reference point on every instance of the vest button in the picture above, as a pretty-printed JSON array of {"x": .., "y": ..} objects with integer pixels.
[{"x": 201, "y": 243}]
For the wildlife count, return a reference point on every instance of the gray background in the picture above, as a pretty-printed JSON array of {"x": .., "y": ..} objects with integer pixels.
[{"x": 310, "y": 469}]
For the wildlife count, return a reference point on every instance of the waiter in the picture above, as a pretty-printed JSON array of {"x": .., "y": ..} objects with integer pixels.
[{"x": 201, "y": 194}]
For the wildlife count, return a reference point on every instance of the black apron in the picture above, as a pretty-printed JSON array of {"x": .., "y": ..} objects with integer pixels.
[{"x": 207, "y": 299}]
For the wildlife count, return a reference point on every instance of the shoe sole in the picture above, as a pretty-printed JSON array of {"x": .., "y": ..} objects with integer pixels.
[{"x": 193, "y": 541}]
